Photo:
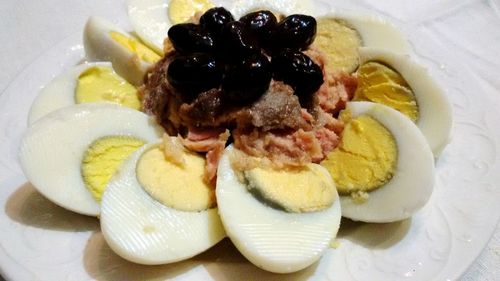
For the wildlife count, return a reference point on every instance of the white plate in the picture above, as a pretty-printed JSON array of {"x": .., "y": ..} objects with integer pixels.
[{"x": 39, "y": 240}]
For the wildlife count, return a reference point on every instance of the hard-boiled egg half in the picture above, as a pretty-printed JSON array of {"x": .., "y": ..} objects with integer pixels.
[
  {"x": 280, "y": 220},
  {"x": 151, "y": 19},
  {"x": 399, "y": 82},
  {"x": 103, "y": 41},
  {"x": 383, "y": 166},
  {"x": 70, "y": 154},
  {"x": 156, "y": 210},
  {"x": 90, "y": 82},
  {"x": 340, "y": 35}
]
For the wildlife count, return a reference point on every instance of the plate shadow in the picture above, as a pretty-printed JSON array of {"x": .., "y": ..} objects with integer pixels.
[
  {"x": 229, "y": 264},
  {"x": 221, "y": 262},
  {"x": 374, "y": 235},
  {"x": 103, "y": 264},
  {"x": 27, "y": 206}
]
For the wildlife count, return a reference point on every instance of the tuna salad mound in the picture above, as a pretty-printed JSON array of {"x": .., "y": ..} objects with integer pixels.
[{"x": 256, "y": 82}]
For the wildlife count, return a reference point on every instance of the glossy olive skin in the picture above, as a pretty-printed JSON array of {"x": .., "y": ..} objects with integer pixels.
[
  {"x": 247, "y": 81},
  {"x": 191, "y": 38},
  {"x": 297, "y": 70},
  {"x": 236, "y": 42},
  {"x": 295, "y": 32},
  {"x": 262, "y": 24},
  {"x": 214, "y": 19},
  {"x": 195, "y": 73}
]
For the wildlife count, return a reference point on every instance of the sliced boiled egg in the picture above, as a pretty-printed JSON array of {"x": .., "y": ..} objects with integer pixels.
[
  {"x": 281, "y": 7},
  {"x": 280, "y": 220},
  {"x": 90, "y": 82},
  {"x": 158, "y": 211},
  {"x": 151, "y": 19},
  {"x": 383, "y": 166},
  {"x": 70, "y": 154},
  {"x": 399, "y": 82},
  {"x": 103, "y": 41},
  {"x": 339, "y": 35}
]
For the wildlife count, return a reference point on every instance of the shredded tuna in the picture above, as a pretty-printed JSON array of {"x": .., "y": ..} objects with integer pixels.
[
  {"x": 306, "y": 115},
  {"x": 278, "y": 126},
  {"x": 173, "y": 150},
  {"x": 213, "y": 145},
  {"x": 295, "y": 148},
  {"x": 337, "y": 90},
  {"x": 213, "y": 157},
  {"x": 203, "y": 145},
  {"x": 328, "y": 140},
  {"x": 198, "y": 134}
]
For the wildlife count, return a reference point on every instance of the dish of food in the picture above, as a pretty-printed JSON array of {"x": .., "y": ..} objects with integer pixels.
[{"x": 417, "y": 228}]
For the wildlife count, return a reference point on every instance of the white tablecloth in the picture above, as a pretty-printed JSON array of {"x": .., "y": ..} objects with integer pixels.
[{"x": 28, "y": 28}]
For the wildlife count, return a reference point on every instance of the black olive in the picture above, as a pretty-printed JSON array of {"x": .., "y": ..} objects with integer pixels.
[
  {"x": 195, "y": 73},
  {"x": 297, "y": 70},
  {"x": 248, "y": 80},
  {"x": 261, "y": 24},
  {"x": 295, "y": 32},
  {"x": 214, "y": 19},
  {"x": 236, "y": 42},
  {"x": 190, "y": 38}
]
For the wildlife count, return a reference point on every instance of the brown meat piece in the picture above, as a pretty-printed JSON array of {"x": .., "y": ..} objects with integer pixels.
[
  {"x": 158, "y": 99},
  {"x": 279, "y": 108},
  {"x": 204, "y": 110}
]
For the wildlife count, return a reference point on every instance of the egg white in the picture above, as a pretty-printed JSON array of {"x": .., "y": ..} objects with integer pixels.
[
  {"x": 142, "y": 230},
  {"x": 60, "y": 92},
  {"x": 99, "y": 46},
  {"x": 52, "y": 149},
  {"x": 435, "y": 113},
  {"x": 413, "y": 181},
  {"x": 150, "y": 21},
  {"x": 375, "y": 31},
  {"x": 272, "y": 239}
]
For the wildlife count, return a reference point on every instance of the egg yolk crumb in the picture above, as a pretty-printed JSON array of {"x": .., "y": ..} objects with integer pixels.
[
  {"x": 339, "y": 43},
  {"x": 365, "y": 159},
  {"x": 177, "y": 186},
  {"x": 180, "y": 11},
  {"x": 334, "y": 244},
  {"x": 136, "y": 47},
  {"x": 301, "y": 189},
  {"x": 102, "y": 84},
  {"x": 103, "y": 158},
  {"x": 379, "y": 83}
]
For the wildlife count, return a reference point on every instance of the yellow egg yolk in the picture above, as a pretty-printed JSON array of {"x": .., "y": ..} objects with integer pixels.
[
  {"x": 174, "y": 185},
  {"x": 304, "y": 189},
  {"x": 365, "y": 159},
  {"x": 339, "y": 43},
  {"x": 380, "y": 84},
  {"x": 180, "y": 11},
  {"x": 102, "y": 84},
  {"x": 136, "y": 47},
  {"x": 103, "y": 158}
]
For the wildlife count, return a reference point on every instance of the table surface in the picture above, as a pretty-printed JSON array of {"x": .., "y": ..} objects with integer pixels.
[{"x": 29, "y": 28}]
